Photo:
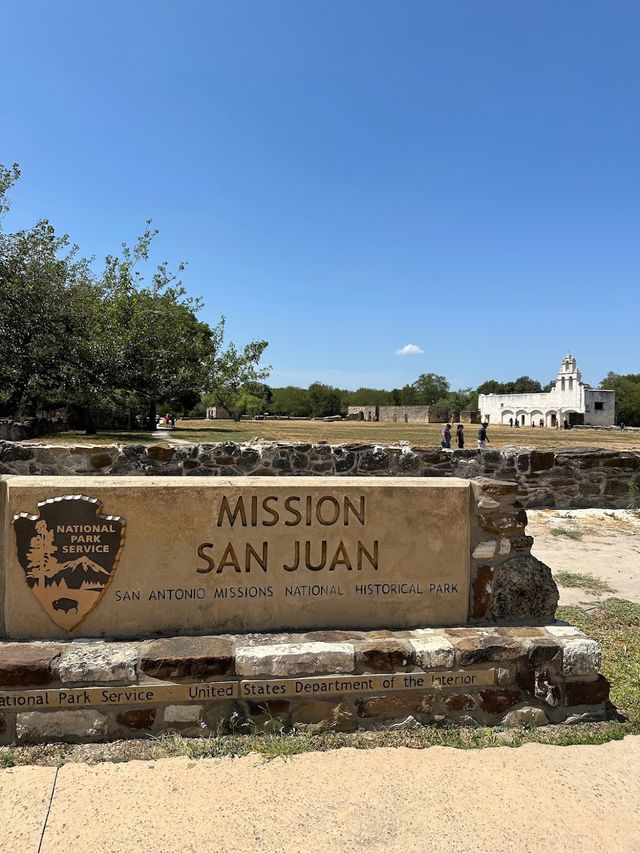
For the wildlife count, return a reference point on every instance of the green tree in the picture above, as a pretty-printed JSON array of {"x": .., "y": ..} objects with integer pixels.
[
  {"x": 324, "y": 400},
  {"x": 491, "y": 386},
  {"x": 430, "y": 388},
  {"x": 159, "y": 347},
  {"x": 627, "y": 388},
  {"x": 369, "y": 397},
  {"x": 290, "y": 401},
  {"x": 69, "y": 338},
  {"x": 524, "y": 385},
  {"x": 230, "y": 370},
  {"x": 521, "y": 385},
  {"x": 460, "y": 400},
  {"x": 51, "y": 353}
]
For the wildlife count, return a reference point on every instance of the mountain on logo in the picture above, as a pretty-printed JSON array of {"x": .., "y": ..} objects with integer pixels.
[{"x": 80, "y": 572}]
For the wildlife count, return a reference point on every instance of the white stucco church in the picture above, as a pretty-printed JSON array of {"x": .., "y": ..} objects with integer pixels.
[{"x": 569, "y": 402}]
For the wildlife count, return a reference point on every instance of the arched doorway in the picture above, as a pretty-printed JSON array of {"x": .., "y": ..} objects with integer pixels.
[
  {"x": 507, "y": 415},
  {"x": 551, "y": 419}
]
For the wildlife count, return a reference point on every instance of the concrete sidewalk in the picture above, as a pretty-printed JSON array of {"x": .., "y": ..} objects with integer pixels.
[{"x": 533, "y": 798}]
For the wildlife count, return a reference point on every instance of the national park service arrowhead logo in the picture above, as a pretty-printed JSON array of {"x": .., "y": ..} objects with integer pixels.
[{"x": 69, "y": 553}]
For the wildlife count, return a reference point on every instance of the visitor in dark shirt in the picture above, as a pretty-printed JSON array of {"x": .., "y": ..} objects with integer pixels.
[
  {"x": 483, "y": 438},
  {"x": 446, "y": 436}
]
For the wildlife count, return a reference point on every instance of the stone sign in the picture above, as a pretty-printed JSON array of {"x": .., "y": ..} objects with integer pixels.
[{"x": 205, "y": 555}]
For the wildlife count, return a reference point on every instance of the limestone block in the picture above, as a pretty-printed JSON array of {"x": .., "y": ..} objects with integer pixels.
[
  {"x": 482, "y": 589},
  {"x": 459, "y": 702},
  {"x": 493, "y": 487},
  {"x": 523, "y": 588},
  {"x": 383, "y": 655},
  {"x": 28, "y": 665},
  {"x": 543, "y": 650},
  {"x": 187, "y": 657},
  {"x": 499, "y": 701},
  {"x": 295, "y": 659},
  {"x": 485, "y": 550},
  {"x": 182, "y": 713},
  {"x": 137, "y": 719},
  {"x": 35, "y": 726},
  {"x": 560, "y": 630},
  {"x": 90, "y": 663},
  {"x": 546, "y": 689},
  {"x": 486, "y": 648},
  {"x": 406, "y": 725},
  {"x": 503, "y": 521},
  {"x": 541, "y": 460},
  {"x": 529, "y": 716},
  {"x": 587, "y": 717},
  {"x": 433, "y": 652},
  {"x": 521, "y": 544},
  {"x": 581, "y": 657},
  {"x": 505, "y": 547},
  {"x": 506, "y": 675},
  {"x": 488, "y": 503},
  {"x": 587, "y": 692},
  {"x": 10, "y": 452},
  {"x": 394, "y": 706}
]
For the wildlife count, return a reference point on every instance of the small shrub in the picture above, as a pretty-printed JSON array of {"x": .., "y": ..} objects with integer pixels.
[
  {"x": 583, "y": 580},
  {"x": 7, "y": 758},
  {"x": 566, "y": 531}
]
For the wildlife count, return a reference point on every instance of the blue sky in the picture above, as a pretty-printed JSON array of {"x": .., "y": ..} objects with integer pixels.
[{"x": 346, "y": 178}]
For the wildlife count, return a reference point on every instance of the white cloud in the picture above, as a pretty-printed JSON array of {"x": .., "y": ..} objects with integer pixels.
[{"x": 410, "y": 349}]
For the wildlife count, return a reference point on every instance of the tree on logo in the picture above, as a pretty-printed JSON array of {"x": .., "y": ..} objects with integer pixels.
[{"x": 41, "y": 556}]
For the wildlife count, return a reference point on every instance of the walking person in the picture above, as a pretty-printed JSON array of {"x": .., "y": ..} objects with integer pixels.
[
  {"x": 460, "y": 436},
  {"x": 483, "y": 438},
  {"x": 446, "y": 437}
]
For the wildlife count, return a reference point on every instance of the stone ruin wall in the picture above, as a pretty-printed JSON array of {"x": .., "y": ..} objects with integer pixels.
[
  {"x": 545, "y": 674},
  {"x": 567, "y": 478},
  {"x": 27, "y": 428}
]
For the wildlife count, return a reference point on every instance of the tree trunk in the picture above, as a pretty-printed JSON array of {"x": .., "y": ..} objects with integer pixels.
[
  {"x": 151, "y": 424},
  {"x": 89, "y": 423}
]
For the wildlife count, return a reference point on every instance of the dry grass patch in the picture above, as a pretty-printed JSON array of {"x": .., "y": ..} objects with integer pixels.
[
  {"x": 348, "y": 432},
  {"x": 583, "y": 580}
]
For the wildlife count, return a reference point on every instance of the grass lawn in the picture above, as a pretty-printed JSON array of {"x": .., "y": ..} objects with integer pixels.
[{"x": 354, "y": 431}]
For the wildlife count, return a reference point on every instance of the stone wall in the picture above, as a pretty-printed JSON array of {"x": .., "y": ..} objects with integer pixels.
[
  {"x": 237, "y": 683},
  {"x": 414, "y": 414},
  {"x": 11, "y": 430},
  {"x": 565, "y": 478}
]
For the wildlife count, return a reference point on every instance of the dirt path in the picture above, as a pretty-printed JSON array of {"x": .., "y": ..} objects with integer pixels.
[
  {"x": 609, "y": 549},
  {"x": 532, "y": 798}
]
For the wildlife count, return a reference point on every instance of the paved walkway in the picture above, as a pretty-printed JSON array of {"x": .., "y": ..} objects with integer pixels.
[{"x": 535, "y": 798}]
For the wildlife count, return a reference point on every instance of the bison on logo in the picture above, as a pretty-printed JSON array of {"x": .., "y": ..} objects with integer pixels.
[{"x": 69, "y": 553}]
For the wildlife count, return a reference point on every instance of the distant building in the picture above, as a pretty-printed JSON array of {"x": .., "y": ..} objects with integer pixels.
[
  {"x": 400, "y": 414},
  {"x": 362, "y": 413},
  {"x": 216, "y": 413},
  {"x": 570, "y": 401}
]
